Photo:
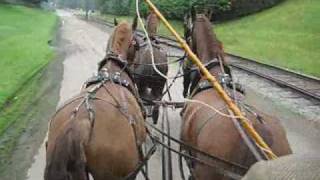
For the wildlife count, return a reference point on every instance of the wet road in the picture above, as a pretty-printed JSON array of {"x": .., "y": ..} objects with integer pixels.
[{"x": 84, "y": 46}]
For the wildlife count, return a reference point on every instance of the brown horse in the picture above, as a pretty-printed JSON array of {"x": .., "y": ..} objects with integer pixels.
[
  {"x": 209, "y": 131},
  {"x": 146, "y": 76},
  {"x": 100, "y": 131}
]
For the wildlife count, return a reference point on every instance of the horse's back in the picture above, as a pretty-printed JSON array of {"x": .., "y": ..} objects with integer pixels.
[
  {"x": 217, "y": 135},
  {"x": 110, "y": 142},
  {"x": 209, "y": 131},
  {"x": 113, "y": 142}
]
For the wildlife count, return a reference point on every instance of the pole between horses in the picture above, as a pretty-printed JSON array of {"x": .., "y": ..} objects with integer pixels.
[{"x": 234, "y": 108}]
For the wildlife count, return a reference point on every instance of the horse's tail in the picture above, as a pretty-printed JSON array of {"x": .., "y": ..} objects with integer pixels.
[{"x": 66, "y": 157}]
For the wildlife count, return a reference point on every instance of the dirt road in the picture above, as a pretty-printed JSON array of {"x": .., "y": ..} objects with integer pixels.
[{"x": 83, "y": 46}]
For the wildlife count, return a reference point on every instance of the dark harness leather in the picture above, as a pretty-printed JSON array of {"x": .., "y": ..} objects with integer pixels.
[{"x": 105, "y": 76}]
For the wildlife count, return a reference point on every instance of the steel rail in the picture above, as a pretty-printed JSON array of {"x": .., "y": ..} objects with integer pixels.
[{"x": 278, "y": 81}]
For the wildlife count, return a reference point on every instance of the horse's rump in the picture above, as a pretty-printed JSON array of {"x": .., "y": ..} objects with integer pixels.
[{"x": 108, "y": 140}]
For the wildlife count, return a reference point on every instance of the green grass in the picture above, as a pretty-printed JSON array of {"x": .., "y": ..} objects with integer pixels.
[
  {"x": 287, "y": 35},
  {"x": 24, "y": 49},
  {"x": 21, "y": 111}
]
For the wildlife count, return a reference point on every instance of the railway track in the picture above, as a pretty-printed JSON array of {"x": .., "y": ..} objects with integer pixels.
[
  {"x": 303, "y": 84},
  {"x": 306, "y": 85}
]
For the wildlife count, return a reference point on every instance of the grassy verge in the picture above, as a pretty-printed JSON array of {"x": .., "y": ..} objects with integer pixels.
[
  {"x": 30, "y": 112},
  {"x": 286, "y": 35},
  {"x": 24, "y": 49},
  {"x": 20, "y": 109},
  {"x": 24, "y": 52}
]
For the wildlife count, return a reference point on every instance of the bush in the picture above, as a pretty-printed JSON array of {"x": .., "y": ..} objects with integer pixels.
[
  {"x": 175, "y": 9},
  {"x": 240, "y": 8}
]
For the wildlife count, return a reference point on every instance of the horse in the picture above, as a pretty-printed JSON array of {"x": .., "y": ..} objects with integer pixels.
[
  {"x": 207, "y": 130},
  {"x": 101, "y": 130},
  {"x": 146, "y": 77}
]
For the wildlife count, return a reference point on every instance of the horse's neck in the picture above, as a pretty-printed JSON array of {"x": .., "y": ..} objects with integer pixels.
[
  {"x": 206, "y": 56},
  {"x": 205, "y": 41},
  {"x": 204, "y": 45}
]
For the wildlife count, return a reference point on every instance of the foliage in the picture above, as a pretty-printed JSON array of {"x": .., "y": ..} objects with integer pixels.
[
  {"x": 175, "y": 9},
  {"x": 243, "y": 7},
  {"x": 24, "y": 34}
]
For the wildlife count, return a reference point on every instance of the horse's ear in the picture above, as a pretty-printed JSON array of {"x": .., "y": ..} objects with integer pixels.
[
  {"x": 186, "y": 24},
  {"x": 193, "y": 13},
  {"x": 115, "y": 21},
  {"x": 135, "y": 23},
  {"x": 209, "y": 13}
]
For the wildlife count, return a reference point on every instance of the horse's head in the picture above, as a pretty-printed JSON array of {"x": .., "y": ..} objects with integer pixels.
[
  {"x": 123, "y": 41},
  {"x": 152, "y": 24},
  {"x": 199, "y": 35}
]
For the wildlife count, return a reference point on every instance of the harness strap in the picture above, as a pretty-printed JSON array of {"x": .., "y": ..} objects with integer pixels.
[
  {"x": 154, "y": 41},
  {"x": 111, "y": 56},
  {"x": 205, "y": 85},
  {"x": 104, "y": 75}
]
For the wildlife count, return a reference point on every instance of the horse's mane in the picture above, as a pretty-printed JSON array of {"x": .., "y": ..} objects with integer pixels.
[
  {"x": 152, "y": 24},
  {"x": 208, "y": 39},
  {"x": 121, "y": 37}
]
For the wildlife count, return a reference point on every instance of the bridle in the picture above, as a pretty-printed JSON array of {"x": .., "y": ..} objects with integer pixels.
[
  {"x": 223, "y": 76},
  {"x": 188, "y": 36}
]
